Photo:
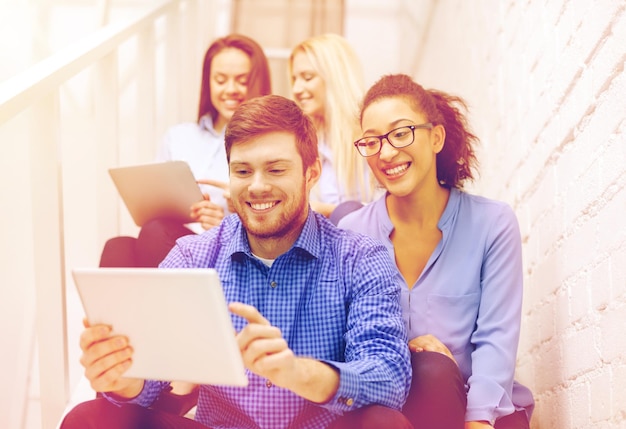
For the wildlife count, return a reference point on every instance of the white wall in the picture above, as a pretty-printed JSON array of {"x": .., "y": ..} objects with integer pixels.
[
  {"x": 386, "y": 34},
  {"x": 546, "y": 84}
]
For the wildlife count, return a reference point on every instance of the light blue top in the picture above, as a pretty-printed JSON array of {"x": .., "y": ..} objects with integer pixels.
[
  {"x": 203, "y": 149},
  {"x": 327, "y": 188},
  {"x": 469, "y": 295},
  {"x": 335, "y": 297}
]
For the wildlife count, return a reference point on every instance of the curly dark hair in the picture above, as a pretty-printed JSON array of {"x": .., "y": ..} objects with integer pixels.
[{"x": 457, "y": 159}]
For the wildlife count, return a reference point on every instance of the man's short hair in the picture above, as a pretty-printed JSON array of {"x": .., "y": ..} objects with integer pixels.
[{"x": 270, "y": 114}]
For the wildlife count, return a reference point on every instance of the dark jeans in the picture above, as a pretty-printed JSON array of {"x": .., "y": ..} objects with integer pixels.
[
  {"x": 437, "y": 399},
  {"x": 101, "y": 414},
  {"x": 517, "y": 420},
  {"x": 156, "y": 238},
  {"x": 372, "y": 417}
]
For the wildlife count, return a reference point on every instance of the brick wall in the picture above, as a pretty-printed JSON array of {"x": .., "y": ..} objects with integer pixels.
[{"x": 546, "y": 86}]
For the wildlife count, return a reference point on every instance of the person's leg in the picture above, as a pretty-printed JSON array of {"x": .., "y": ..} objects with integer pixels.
[
  {"x": 517, "y": 420},
  {"x": 119, "y": 252},
  {"x": 372, "y": 417},
  {"x": 101, "y": 414},
  {"x": 178, "y": 404},
  {"x": 156, "y": 239},
  {"x": 343, "y": 209},
  {"x": 437, "y": 399}
]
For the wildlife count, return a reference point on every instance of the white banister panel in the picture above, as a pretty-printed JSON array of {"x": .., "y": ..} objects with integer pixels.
[
  {"x": 22, "y": 90},
  {"x": 104, "y": 101},
  {"x": 106, "y": 111},
  {"x": 48, "y": 254}
]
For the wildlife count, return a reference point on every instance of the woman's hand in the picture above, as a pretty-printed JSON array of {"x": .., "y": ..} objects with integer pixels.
[
  {"x": 429, "y": 343},
  {"x": 221, "y": 185},
  {"x": 207, "y": 213}
]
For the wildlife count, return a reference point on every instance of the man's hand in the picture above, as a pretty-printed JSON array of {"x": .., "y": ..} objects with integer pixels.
[
  {"x": 266, "y": 353},
  {"x": 429, "y": 343},
  {"x": 105, "y": 359}
]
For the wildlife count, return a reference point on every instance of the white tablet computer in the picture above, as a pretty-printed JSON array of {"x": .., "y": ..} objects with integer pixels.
[
  {"x": 176, "y": 320},
  {"x": 164, "y": 189}
]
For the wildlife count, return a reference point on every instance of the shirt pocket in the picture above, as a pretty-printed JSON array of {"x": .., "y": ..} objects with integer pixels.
[
  {"x": 321, "y": 326},
  {"x": 452, "y": 319},
  {"x": 327, "y": 302}
]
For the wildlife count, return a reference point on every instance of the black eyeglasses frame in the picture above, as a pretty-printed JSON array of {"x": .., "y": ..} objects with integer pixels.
[{"x": 426, "y": 126}]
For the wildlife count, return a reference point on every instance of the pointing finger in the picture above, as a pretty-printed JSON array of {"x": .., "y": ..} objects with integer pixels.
[
  {"x": 217, "y": 183},
  {"x": 248, "y": 312}
]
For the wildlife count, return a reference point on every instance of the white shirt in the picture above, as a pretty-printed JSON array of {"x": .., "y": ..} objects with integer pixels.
[{"x": 203, "y": 149}]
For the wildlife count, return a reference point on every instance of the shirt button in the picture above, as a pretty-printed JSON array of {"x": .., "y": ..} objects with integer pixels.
[
  {"x": 273, "y": 284},
  {"x": 268, "y": 383},
  {"x": 349, "y": 402}
]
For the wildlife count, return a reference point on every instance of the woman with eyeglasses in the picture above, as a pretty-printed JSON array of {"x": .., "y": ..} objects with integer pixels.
[{"x": 460, "y": 256}]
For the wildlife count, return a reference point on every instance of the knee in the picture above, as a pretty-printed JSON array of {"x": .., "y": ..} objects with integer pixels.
[
  {"x": 159, "y": 231},
  {"x": 432, "y": 369},
  {"x": 157, "y": 227},
  {"x": 118, "y": 252},
  {"x": 373, "y": 417},
  {"x": 437, "y": 398},
  {"x": 85, "y": 415}
]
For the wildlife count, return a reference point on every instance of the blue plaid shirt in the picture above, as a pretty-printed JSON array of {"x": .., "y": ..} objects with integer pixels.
[{"x": 335, "y": 297}]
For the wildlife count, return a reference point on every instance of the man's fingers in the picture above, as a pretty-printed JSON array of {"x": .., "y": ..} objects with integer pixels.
[
  {"x": 109, "y": 379},
  {"x": 93, "y": 334},
  {"x": 248, "y": 312},
  {"x": 218, "y": 184}
]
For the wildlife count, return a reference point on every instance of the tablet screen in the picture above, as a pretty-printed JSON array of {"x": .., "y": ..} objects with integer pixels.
[
  {"x": 159, "y": 190},
  {"x": 177, "y": 321}
]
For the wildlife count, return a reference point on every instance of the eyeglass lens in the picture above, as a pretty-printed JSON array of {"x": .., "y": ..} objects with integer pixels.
[{"x": 399, "y": 137}]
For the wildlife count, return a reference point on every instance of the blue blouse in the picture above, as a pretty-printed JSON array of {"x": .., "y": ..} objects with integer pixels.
[{"x": 469, "y": 295}]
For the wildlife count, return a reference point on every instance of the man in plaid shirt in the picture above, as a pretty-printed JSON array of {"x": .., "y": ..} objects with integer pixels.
[{"x": 316, "y": 308}]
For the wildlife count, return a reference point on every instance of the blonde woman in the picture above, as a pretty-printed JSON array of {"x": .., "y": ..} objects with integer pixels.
[{"x": 327, "y": 84}]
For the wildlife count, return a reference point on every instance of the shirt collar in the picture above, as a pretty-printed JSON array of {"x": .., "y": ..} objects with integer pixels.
[
  {"x": 449, "y": 213},
  {"x": 310, "y": 238},
  {"x": 206, "y": 123},
  {"x": 447, "y": 216},
  {"x": 308, "y": 242}
]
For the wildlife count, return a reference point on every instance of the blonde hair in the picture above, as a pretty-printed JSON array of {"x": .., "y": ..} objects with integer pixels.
[{"x": 336, "y": 62}]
